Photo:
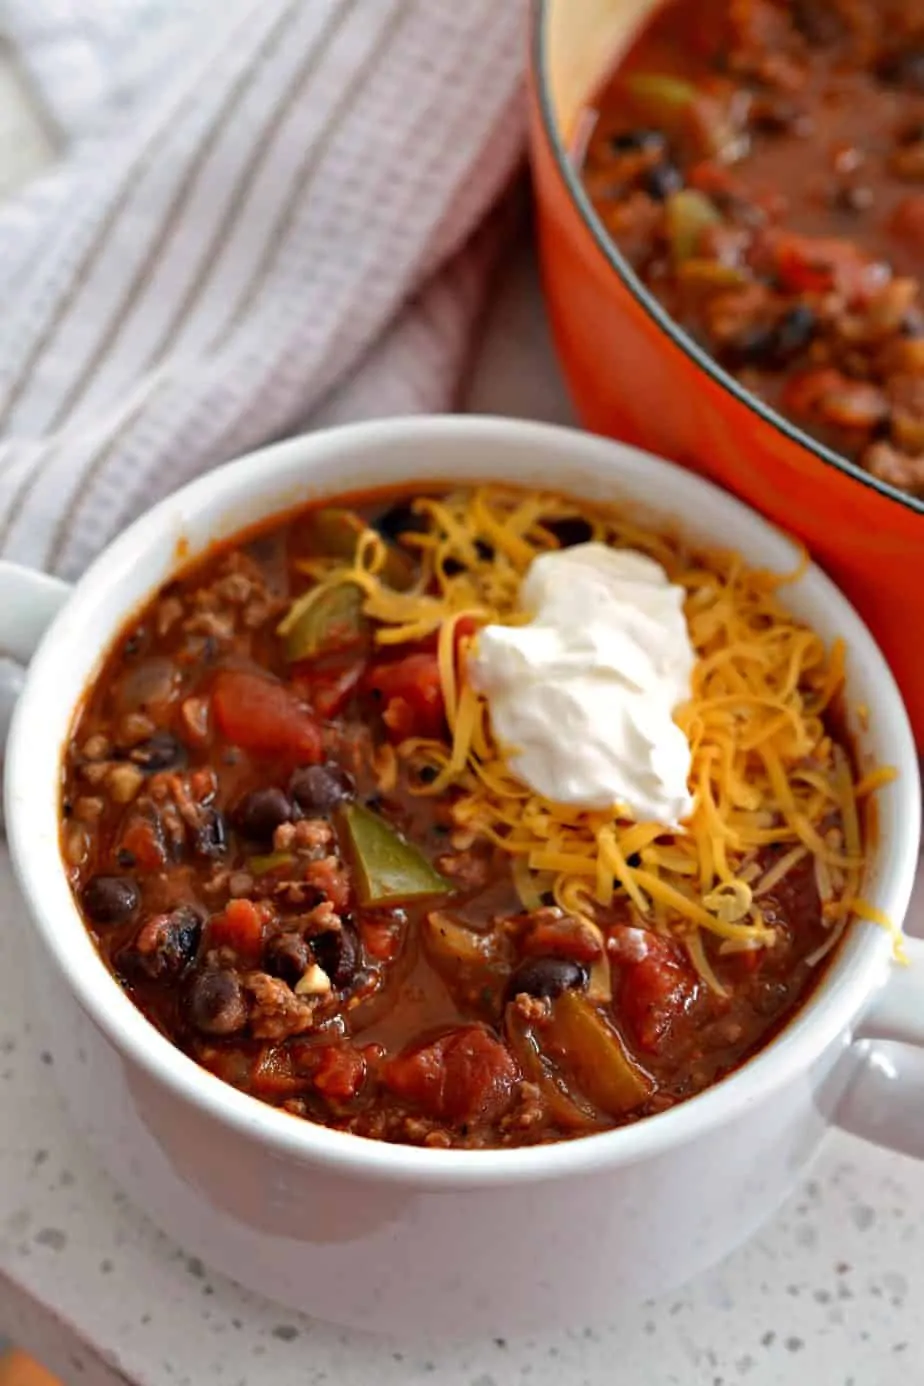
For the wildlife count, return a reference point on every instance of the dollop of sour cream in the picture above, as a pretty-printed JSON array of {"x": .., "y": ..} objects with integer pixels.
[{"x": 582, "y": 696}]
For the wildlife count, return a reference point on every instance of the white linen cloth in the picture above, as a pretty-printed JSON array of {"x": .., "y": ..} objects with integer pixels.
[{"x": 271, "y": 214}]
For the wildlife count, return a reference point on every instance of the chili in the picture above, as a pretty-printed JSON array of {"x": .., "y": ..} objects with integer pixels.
[
  {"x": 259, "y": 877},
  {"x": 761, "y": 165}
]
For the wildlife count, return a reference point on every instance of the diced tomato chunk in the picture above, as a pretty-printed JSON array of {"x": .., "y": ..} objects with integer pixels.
[
  {"x": 411, "y": 694},
  {"x": 656, "y": 990},
  {"x": 240, "y": 928},
  {"x": 860, "y": 404},
  {"x": 328, "y": 689},
  {"x": 465, "y": 1075},
  {"x": 805, "y": 390},
  {"x": 400, "y": 720},
  {"x": 339, "y": 1073},
  {"x": 274, "y": 1076},
  {"x": 142, "y": 838},
  {"x": 748, "y": 961},
  {"x": 549, "y": 937},
  {"x": 835, "y": 398},
  {"x": 331, "y": 879},
  {"x": 381, "y": 938},
  {"x": 809, "y": 264},
  {"x": 907, "y": 220},
  {"x": 712, "y": 178},
  {"x": 265, "y": 717}
]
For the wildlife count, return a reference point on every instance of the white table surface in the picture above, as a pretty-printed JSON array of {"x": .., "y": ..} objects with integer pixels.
[{"x": 829, "y": 1295}]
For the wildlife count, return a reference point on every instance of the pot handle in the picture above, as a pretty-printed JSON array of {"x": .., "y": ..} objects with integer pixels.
[{"x": 884, "y": 1100}]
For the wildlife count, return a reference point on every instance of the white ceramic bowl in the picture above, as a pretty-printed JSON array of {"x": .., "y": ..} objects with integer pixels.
[{"x": 387, "y": 1236}]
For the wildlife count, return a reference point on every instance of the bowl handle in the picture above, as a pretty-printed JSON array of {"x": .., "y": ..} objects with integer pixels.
[
  {"x": 897, "y": 1012},
  {"x": 884, "y": 1101},
  {"x": 29, "y": 601}
]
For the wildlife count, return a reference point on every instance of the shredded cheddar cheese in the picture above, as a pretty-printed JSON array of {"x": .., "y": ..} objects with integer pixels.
[{"x": 766, "y": 775}]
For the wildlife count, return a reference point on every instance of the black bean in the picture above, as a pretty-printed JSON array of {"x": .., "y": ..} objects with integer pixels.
[
  {"x": 400, "y": 519},
  {"x": 752, "y": 347},
  {"x": 773, "y": 345},
  {"x": 570, "y": 531},
  {"x": 904, "y": 69},
  {"x": 484, "y": 550},
  {"x": 287, "y": 956},
  {"x": 261, "y": 812},
  {"x": 881, "y": 431},
  {"x": 216, "y": 1003},
  {"x": 269, "y": 552},
  {"x": 793, "y": 333},
  {"x": 661, "y": 181},
  {"x": 210, "y": 839},
  {"x": 337, "y": 951},
  {"x": 637, "y": 141},
  {"x": 164, "y": 946},
  {"x": 319, "y": 789},
  {"x": 546, "y": 977},
  {"x": 162, "y": 751},
  {"x": 110, "y": 899},
  {"x": 126, "y": 859}
]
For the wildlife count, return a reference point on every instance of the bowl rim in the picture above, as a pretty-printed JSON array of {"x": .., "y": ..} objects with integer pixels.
[
  {"x": 671, "y": 329},
  {"x": 32, "y": 815}
]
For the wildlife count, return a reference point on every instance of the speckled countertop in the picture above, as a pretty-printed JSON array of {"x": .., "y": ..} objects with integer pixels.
[{"x": 829, "y": 1295}]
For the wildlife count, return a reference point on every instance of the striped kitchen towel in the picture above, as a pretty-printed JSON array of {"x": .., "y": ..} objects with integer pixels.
[{"x": 271, "y": 214}]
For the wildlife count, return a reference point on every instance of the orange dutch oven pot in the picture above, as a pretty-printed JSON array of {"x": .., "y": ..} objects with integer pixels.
[{"x": 635, "y": 375}]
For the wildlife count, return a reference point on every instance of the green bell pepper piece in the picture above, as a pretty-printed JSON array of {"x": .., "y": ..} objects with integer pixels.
[
  {"x": 711, "y": 275},
  {"x": 335, "y": 533},
  {"x": 389, "y": 870},
  {"x": 333, "y": 621},
  {"x": 567, "y": 1108},
  {"x": 662, "y": 99},
  {"x": 272, "y": 861},
  {"x": 687, "y": 215},
  {"x": 592, "y": 1053}
]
